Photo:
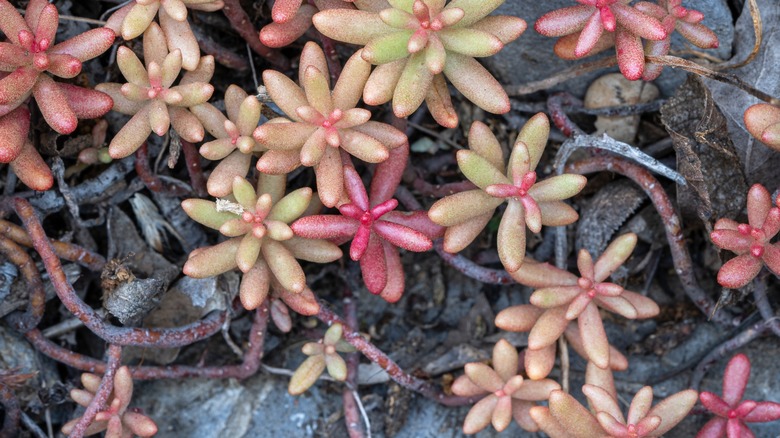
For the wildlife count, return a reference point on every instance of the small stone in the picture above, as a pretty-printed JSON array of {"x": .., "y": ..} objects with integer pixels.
[{"x": 615, "y": 90}]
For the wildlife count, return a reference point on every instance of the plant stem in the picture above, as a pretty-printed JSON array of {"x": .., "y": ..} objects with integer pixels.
[
  {"x": 160, "y": 338},
  {"x": 764, "y": 308},
  {"x": 692, "y": 67},
  {"x": 248, "y": 367},
  {"x": 395, "y": 372},
  {"x": 471, "y": 269},
  {"x": 351, "y": 410},
  {"x": 68, "y": 251},
  {"x": 99, "y": 401},
  {"x": 192, "y": 159},
  {"x": 31, "y": 317},
  {"x": 726, "y": 348},
  {"x": 680, "y": 255},
  {"x": 150, "y": 179}
]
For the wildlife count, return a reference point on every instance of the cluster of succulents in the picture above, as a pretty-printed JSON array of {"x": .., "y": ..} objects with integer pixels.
[
  {"x": 751, "y": 242},
  {"x": 596, "y": 25},
  {"x": 732, "y": 412},
  {"x": 28, "y": 60},
  {"x": 323, "y": 123},
  {"x": 410, "y": 50},
  {"x": 417, "y": 43},
  {"x": 150, "y": 96},
  {"x": 529, "y": 203},
  {"x": 116, "y": 420},
  {"x": 322, "y": 355}
]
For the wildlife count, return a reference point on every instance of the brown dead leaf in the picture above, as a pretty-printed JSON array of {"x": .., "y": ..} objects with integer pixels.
[{"x": 706, "y": 156}]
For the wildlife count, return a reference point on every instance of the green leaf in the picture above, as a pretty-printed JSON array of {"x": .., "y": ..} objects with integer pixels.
[{"x": 205, "y": 213}]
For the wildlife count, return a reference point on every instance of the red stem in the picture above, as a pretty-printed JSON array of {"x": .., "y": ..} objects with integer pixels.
[
  {"x": 64, "y": 250},
  {"x": 457, "y": 261},
  {"x": 555, "y": 104},
  {"x": 99, "y": 401},
  {"x": 764, "y": 308},
  {"x": 395, "y": 372},
  {"x": 32, "y": 316},
  {"x": 471, "y": 269},
  {"x": 150, "y": 179},
  {"x": 351, "y": 411},
  {"x": 680, "y": 256},
  {"x": 249, "y": 366},
  {"x": 240, "y": 22},
  {"x": 160, "y": 338},
  {"x": 727, "y": 348},
  {"x": 192, "y": 159}
]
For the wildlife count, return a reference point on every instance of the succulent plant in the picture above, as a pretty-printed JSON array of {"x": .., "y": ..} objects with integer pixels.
[
  {"x": 673, "y": 16},
  {"x": 151, "y": 98},
  {"x": 292, "y": 18},
  {"x": 528, "y": 202},
  {"x": 261, "y": 244},
  {"x": 562, "y": 297},
  {"x": 31, "y": 53},
  {"x": 508, "y": 394},
  {"x": 133, "y": 19},
  {"x": 234, "y": 144},
  {"x": 376, "y": 231},
  {"x": 582, "y": 31},
  {"x": 323, "y": 123},
  {"x": 322, "y": 355},
  {"x": 539, "y": 362},
  {"x": 418, "y": 42},
  {"x": 19, "y": 152},
  {"x": 762, "y": 121},
  {"x": 751, "y": 241},
  {"x": 117, "y": 420},
  {"x": 566, "y": 417},
  {"x": 732, "y": 412}
]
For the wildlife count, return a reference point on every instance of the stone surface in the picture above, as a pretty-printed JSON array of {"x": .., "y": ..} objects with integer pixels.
[
  {"x": 614, "y": 89},
  {"x": 261, "y": 407},
  {"x": 530, "y": 57}
]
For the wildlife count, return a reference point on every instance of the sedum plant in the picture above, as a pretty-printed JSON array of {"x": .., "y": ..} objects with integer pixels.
[
  {"x": 133, "y": 19},
  {"x": 261, "y": 243},
  {"x": 20, "y": 154},
  {"x": 529, "y": 203},
  {"x": 673, "y": 16},
  {"x": 31, "y": 53},
  {"x": 292, "y": 18},
  {"x": 151, "y": 98},
  {"x": 563, "y": 297},
  {"x": 751, "y": 241},
  {"x": 762, "y": 121},
  {"x": 322, "y": 123},
  {"x": 732, "y": 412},
  {"x": 322, "y": 355},
  {"x": 234, "y": 145},
  {"x": 595, "y": 25},
  {"x": 376, "y": 230},
  {"x": 416, "y": 43},
  {"x": 566, "y": 417},
  {"x": 28, "y": 60},
  {"x": 508, "y": 395},
  {"x": 117, "y": 420}
]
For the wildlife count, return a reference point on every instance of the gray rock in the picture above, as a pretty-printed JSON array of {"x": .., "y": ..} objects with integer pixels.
[
  {"x": 530, "y": 58},
  {"x": 261, "y": 407}
]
